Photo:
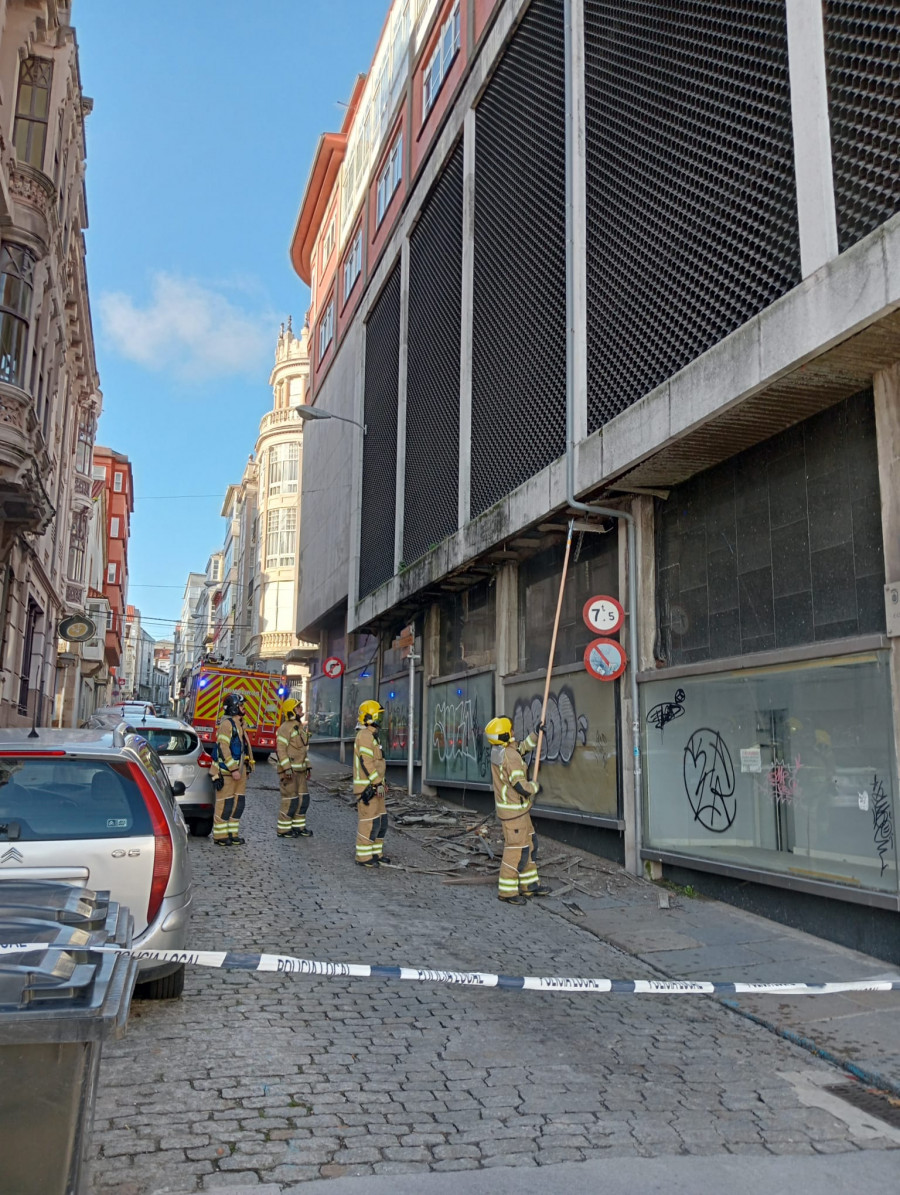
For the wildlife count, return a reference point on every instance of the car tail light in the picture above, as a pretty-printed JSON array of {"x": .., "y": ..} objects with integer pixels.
[
  {"x": 204, "y": 760},
  {"x": 162, "y": 842},
  {"x": 31, "y": 754}
]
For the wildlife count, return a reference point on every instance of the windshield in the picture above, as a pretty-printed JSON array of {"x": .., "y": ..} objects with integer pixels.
[
  {"x": 48, "y": 799},
  {"x": 168, "y": 742}
]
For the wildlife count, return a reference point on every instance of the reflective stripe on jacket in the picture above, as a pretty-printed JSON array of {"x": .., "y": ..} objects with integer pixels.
[
  {"x": 292, "y": 745},
  {"x": 507, "y": 770},
  {"x": 368, "y": 760}
]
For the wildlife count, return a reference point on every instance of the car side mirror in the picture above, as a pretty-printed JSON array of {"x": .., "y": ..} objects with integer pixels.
[{"x": 178, "y": 788}]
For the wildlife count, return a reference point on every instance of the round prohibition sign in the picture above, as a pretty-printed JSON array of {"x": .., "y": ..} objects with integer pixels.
[
  {"x": 333, "y": 667},
  {"x": 603, "y": 614},
  {"x": 605, "y": 659}
]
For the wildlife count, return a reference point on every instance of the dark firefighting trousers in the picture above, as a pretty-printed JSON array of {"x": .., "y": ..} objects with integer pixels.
[
  {"x": 518, "y": 871},
  {"x": 294, "y": 785},
  {"x": 230, "y": 800},
  {"x": 371, "y": 828}
]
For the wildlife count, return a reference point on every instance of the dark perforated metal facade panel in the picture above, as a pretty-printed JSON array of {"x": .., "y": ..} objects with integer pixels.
[
  {"x": 431, "y": 492},
  {"x": 862, "y": 46},
  {"x": 379, "y": 483},
  {"x": 518, "y": 342},
  {"x": 692, "y": 214}
]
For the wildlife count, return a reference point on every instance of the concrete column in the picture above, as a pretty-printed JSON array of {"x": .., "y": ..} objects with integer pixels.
[
  {"x": 626, "y": 718},
  {"x": 812, "y": 134},
  {"x": 356, "y": 441},
  {"x": 401, "y": 406},
  {"x": 431, "y": 666},
  {"x": 468, "y": 299},
  {"x": 645, "y": 520},
  {"x": 507, "y": 629},
  {"x": 887, "y": 426}
]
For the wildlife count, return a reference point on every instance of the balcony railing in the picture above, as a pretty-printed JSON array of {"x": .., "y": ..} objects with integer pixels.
[{"x": 277, "y": 418}]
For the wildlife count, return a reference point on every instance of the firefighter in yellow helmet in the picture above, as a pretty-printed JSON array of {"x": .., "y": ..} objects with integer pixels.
[
  {"x": 369, "y": 770},
  {"x": 514, "y": 796},
  {"x": 292, "y": 751},
  {"x": 234, "y": 763}
]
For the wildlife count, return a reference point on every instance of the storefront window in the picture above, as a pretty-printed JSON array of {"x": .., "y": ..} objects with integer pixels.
[
  {"x": 468, "y": 629},
  {"x": 787, "y": 769},
  {"x": 593, "y": 570},
  {"x": 579, "y": 757},
  {"x": 359, "y": 686},
  {"x": 393, "y": 694},
  {"x": 325, "y": 707},
  {"x": 458, "y": 711}
]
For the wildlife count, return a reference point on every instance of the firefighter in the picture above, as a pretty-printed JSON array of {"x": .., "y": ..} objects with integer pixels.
[
  {"x": 369, "y": 787},
  {"x": 514, "y": 796},
  {"x": 234, "y": 764},
  {"x": 292, "y": 747}
]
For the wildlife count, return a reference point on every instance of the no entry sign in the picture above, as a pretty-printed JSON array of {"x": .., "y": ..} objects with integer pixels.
[
  {"x": 605, "y": 659},
  {"x": 333, "y": 667},
  {"x": 603, "y": 614}
]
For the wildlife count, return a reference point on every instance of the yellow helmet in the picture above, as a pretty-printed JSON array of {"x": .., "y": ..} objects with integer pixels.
[
  {"x": 370, "y": 711},
  {"x": 498, "y": 731},
  {"x": 289, "y": 706}
]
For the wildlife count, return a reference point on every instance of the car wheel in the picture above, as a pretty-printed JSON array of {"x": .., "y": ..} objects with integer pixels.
[
  {"x": 201, "y": 827},
  {"x": 167, "y": 988}
]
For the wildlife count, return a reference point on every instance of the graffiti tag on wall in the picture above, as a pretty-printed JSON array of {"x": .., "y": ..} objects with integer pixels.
[
  {"x": 709, "y": 780},
  {"x": 457, "y": 733},
  {"x": 883, "y": 819},
  {"x": 565, "y": 727}
]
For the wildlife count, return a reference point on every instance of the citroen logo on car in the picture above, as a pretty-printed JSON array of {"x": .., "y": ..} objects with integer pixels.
[{"x": 12, "y": 856}]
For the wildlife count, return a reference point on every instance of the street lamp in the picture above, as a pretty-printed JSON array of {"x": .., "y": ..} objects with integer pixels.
[{"x": 307, "y": 413}]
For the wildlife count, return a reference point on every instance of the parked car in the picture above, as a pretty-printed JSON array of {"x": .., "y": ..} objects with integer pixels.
[
  {"x": 95, "y": 808},
  {"x": 184, "y": 758},
  {"x": 129, "y": 709}
]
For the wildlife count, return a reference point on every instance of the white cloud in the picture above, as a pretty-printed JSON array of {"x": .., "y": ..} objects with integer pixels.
[{"x": 188, "y": 329}]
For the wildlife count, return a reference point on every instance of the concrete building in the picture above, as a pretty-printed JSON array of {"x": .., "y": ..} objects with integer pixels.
[
  {"x": 728, "y": 255},
  {"x": 113, "y": 471},
  {"x": 190, "y": 633},
  {"x": 49, "y": 389}
]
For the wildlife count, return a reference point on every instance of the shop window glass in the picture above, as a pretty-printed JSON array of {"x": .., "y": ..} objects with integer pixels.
[
  {"x": 787, "y": 769},
  {"x": 579, "y": 759},
  {"x": 393, "y": 694},
  {"x": 458, "y": 711},
  {"x": 468, "y": 629},
  {"x": 593, "y": 570},
  {"x": 359, "y": 686},
  {"x": 325, "y": 707}
]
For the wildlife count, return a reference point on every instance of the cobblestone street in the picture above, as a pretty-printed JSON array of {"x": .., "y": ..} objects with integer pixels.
[{"x": 265, "y": 1078}]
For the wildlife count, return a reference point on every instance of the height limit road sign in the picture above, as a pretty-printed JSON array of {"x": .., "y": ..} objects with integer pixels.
[
  {"x": 603, "y": 615},
  {"x": 605, "y": 659}
]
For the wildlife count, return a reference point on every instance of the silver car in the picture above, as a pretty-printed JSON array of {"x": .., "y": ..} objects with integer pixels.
[
  {"x": 95, "y": 808},
  {"x": 184, "y": 758}
]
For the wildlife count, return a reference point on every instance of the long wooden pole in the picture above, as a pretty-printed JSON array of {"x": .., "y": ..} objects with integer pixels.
[{"x": 559, "y": 605}]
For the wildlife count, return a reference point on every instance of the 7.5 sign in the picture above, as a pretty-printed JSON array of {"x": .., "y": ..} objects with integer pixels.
[{"x": 603, "y": 615}]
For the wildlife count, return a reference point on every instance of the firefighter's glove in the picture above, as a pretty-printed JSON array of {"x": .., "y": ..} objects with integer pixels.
[
  {"x": 218, "y": 784},
  {"x": 541, "y": 728}
]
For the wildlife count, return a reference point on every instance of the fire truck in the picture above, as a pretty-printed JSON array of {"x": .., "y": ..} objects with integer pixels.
[{"x": 263, "y": 694}]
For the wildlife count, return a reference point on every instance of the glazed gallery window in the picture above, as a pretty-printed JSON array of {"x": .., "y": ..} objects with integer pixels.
[
  {"x": 353, "y": 264},
  {"x": 84, "y": 442},
  {"x": 284, "y": 469},
  {"x": 327, "y": 244},
  {"x": 16, "y": 289},
  {"x": 326, "y": 329},
  {"x": 389, "y": 179},
  {"x": 32, "y": 111},
  {"x": 441, "y": 60},
  {"x": 785, "y": 770},
  {"x": 77, "y": 546},
  {"x": 281, "y": 534}
]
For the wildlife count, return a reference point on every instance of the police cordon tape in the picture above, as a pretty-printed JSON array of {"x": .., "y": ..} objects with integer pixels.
[{"x": 287, "y": 964}]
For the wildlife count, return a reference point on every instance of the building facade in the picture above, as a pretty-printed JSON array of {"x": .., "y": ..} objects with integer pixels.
[
  {"x": 112, "y": 471},
  {"x": 49, "y": 389},
  {"x": 698, "y": 337}
]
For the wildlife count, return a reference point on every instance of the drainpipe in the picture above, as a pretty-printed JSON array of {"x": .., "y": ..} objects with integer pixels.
[{"x": 575, "y": 337}]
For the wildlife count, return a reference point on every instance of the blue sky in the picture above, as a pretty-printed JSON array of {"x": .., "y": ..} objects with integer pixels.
[{"x": 206, "y": 116}]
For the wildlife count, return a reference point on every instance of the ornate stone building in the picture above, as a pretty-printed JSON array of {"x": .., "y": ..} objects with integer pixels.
[
  {"x": 49, "y": 388},
  {"x": 268, "y": 564}
]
